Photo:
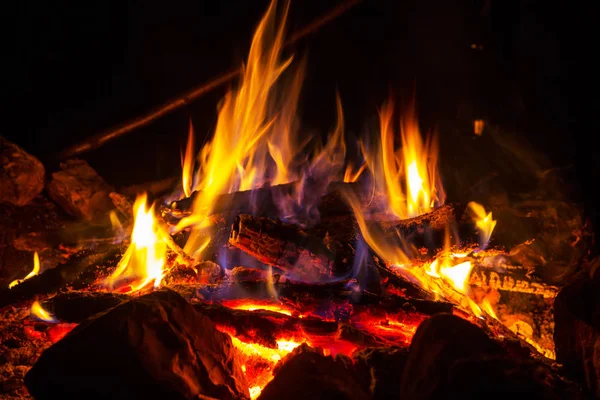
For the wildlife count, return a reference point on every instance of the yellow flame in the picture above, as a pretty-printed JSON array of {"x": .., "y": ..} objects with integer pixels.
[
  {"x": 144, "y": 260},
  {"x": 458, "y": 275},
  {"x": 484, "y": 222},
  {"x": 488, "y": 308},
  {"x": 255, "y": 392},
  {"x": 38, "y": 311},
  {"x": 408, "y": 176},
  {"x": 254, "y": 136},
  {"x": 188, "y": 164},
  {"x": 35, "y": 271}
]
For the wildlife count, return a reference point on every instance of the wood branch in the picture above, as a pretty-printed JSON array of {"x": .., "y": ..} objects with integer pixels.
[
  {"x": 103, "y": 137},
  {"x": 78, "y": 271}
]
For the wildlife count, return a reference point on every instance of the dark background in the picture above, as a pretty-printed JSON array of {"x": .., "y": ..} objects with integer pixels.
[{"x": 77, "y": 68}]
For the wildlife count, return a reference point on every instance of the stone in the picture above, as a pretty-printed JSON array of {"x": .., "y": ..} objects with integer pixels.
[
  {"x": 21, "y": 174},
  {"x": 156, "y": 346},
  {"x": 577, "y": 327},
  {"x": 80, "y": 191},
  {"x": 308, "y": 374}
]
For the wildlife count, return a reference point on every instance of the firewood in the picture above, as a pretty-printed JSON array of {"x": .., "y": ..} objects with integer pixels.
[
  {"x": 510, "y": 278},
  {"x": 282, "y": 245},
  {"x": 73, "y": 272}
]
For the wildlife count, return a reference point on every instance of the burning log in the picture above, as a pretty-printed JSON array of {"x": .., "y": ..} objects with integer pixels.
[
  {"x": 510, "y": 278},
  {"x": 165, "y": 349},
  {"x": 313, "y": 375},
  {"x": 284, "y": 246},
  {"x": 76, "y": 271},
  {"x": 21, "y": 174}
]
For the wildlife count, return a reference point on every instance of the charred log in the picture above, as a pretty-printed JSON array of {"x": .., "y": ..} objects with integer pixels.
[
  {"x": 73, "y": 272},
  {"x": 165, "y": 349}
]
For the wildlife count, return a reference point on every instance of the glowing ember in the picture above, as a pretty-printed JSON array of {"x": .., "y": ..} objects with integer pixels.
[
  {"x": 484, "y": 222},
  {"x": 38, "y": 311},
  {"x": 258, "y": 361},
  {"x": 143, "y": 262},
  {"x": 34, "y": 272},
  {"x": 478, "y": 125},
  {"x": 250, "y": 305}
]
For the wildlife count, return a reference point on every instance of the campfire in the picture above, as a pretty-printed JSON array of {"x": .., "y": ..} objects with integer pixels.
[{"x": 277, "y": 264}]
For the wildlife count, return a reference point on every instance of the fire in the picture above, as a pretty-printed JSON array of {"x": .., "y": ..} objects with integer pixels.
[
  {"x": 38, "y": 311},
  {"x": 484, "y": 222},
  {"x": 407, "y": 176},
  {"x": 34, "y": 271},
  {"x": 350, "y": 175},
  {"x": 187, "y": 163},
  {"x": 254, "y": 141},
  {"x": 144, "y": 260}
]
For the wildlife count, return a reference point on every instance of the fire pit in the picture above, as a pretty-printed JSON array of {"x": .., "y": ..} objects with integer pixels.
[{"x": 279, "y": 266}]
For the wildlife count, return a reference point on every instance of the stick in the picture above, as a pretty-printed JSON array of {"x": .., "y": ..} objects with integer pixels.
[{"x": 101, "y": 138}]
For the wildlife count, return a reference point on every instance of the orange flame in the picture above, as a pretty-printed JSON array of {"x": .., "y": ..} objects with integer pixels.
[
  {"x": 34, "y": 272},
  {"x": 254, "y": 137},
  {"x": 409, "y": 175},
  {"x": 144, "y": 260},
  {"x": 187, "y": 164},
  {"x": 484, "y": 222},
  {"x": 38, "y": 311},
  {"x": 350, "y": 176}
]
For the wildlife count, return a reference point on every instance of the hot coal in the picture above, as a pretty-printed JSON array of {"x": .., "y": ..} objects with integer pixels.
[
  {"x": 307, "y": 374},
  {"x": 154, "y": 347}
]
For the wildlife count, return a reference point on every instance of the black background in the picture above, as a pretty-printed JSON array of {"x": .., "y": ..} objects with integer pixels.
[{"x": 77, "y": 68}]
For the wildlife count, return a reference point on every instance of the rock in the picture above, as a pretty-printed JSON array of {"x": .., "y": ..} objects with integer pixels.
[
  {"x": 577, "y": 327},
  {"x": 156, "y": 346},
  {"x": 21, "y": 174},
  {"x": 307, "y": 374},
  {"x": 438, "y": 343},
  {"x": 80, "y": 191},
  {"x": 450, "y": 358},
  {"x": 380, "y": 370}
]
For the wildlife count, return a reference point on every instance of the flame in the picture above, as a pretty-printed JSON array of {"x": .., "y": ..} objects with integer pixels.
[
  {"x": 187, "y": 164},
  {"x": 254, "y": 138},
  {"x": 34, "y": 271},
  {"x": 350, "y": 176},
  {"x": 407, "y": 176},
  {"x": 144, "y": 260},
  {"x": 478, "y": 125},
  {"x": 38, "y": 311},
  {"x": 488, "y": 308},
  {"x": 484, "y": 222}
]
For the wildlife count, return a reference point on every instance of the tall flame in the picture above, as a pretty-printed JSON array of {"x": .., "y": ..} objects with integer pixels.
[
  {"x": 34, "y": 271},
  {"x": 254, "y": 137},
  {"x": 144, "y": 260},
  {"x": 408, "y": 176}
]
